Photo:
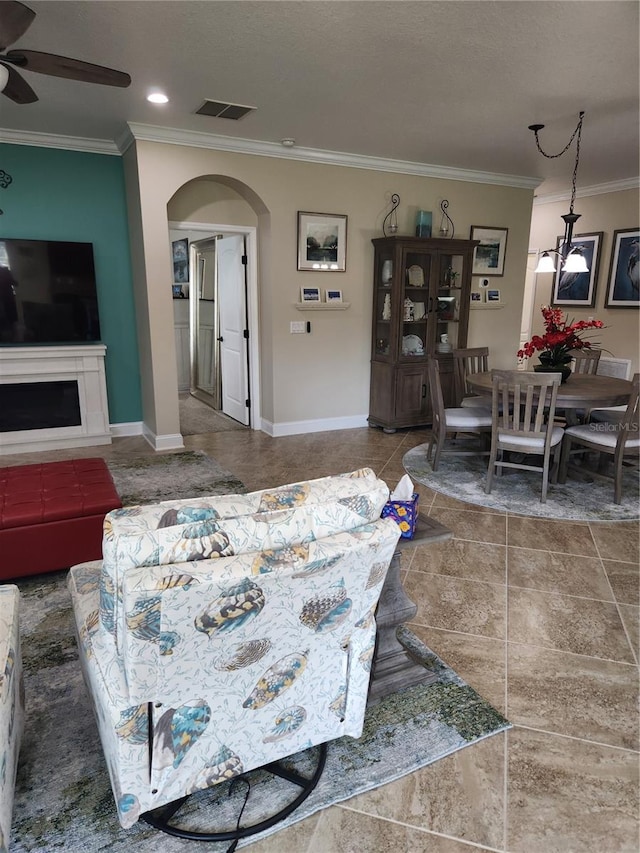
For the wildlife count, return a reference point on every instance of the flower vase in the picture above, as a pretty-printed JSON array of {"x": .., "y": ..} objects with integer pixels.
[{"x": 548, "y": 366}]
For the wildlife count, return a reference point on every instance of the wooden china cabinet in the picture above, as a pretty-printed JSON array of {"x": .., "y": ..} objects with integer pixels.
[{"x": 421, "y": 292}]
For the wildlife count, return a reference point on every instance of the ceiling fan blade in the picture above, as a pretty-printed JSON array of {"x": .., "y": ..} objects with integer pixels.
[
  {"x": 63, "y": 66},
  {"x": 15, "y": 20},
  {"x": 17, "y": 88}
]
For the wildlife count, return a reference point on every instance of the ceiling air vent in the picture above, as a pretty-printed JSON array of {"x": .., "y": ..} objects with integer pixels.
[{"x": 218, "y": 109}]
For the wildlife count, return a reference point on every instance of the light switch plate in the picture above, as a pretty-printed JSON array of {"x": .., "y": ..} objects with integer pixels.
[{"x": 297, "y": 327}]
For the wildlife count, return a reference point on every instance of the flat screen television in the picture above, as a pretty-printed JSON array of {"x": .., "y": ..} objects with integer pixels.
[{"x": 47, "y": 293}]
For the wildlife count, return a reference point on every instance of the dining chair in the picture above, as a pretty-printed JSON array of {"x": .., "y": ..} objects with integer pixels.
[
  {"x": 523, "y": 408},
  {"x": 466, "y": 362},
  {"x": 585, "y": 360},
  {"x": 472, "y": 419},
  {"x": 618, "y": 437},
  {"x": 620, "y": 368}
]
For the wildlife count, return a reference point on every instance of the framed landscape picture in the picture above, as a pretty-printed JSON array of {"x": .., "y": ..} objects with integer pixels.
[
  {"x": 488, "y": 257},
  {"x": 322, "y": 242},
  {"x": 623, "y": 289},
  {"x": 579, "y": 288}
]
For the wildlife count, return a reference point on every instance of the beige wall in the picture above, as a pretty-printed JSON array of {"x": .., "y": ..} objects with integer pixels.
[
  {"x": 323, "y": 375},
  {"x": 607, "y": 212}
]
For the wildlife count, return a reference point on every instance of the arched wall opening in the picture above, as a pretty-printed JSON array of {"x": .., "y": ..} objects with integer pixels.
[{"x": 155, "y": 201}]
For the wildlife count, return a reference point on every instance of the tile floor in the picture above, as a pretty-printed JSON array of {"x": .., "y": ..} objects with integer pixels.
[{"x": 541, "y": 617}]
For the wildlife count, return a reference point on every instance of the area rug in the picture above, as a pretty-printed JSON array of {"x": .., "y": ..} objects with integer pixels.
[
  {"x": 171, "y": 476},
  {"x": 586, "y": 498},
  {"x": 63, "y": 797},
  {"x": 197, "y": 418}
]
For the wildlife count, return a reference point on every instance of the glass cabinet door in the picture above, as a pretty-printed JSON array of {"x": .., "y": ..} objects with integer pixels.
[
  {"x": 449, "y": 308},
  {"x": 383, "y": 305},
  {"x": 415, "y": 305}
]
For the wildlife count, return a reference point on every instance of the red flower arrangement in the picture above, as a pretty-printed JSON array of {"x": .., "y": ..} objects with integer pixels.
[{"x": 559, "y": 339}]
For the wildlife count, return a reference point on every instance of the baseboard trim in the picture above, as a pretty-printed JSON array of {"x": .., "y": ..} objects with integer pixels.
[
  {"x": 162, "y": 442},
  {"x": 124, "y": 429},
  {"x": 303, "y": 427}
]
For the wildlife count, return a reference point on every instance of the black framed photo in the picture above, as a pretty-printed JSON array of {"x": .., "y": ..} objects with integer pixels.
[
  {"x": 489, "y": 256},
  {"x": 623, "y": 289},
  {"x": 322, "y": 242},
  {"x": 579, "y": 288},
  {"x": 180, "y": 253}
]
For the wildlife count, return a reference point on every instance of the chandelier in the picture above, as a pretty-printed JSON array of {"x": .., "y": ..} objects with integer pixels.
[{"x": 570, "y": 256}]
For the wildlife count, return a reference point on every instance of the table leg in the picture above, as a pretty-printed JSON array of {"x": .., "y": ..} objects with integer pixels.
[{"x": 392, "y": 669}]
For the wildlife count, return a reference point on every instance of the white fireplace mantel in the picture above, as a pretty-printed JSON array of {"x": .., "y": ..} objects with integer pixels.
[{"x": 83, "y": 363}]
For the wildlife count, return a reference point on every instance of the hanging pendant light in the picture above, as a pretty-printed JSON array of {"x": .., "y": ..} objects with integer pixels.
[{"x": 571, "y": 256}]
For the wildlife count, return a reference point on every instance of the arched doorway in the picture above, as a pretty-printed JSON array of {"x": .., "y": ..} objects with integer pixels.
[{"x": 226, "y": 209}]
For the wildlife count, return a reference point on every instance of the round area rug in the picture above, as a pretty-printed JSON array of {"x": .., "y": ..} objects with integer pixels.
[{"x": 585, "y": 499}]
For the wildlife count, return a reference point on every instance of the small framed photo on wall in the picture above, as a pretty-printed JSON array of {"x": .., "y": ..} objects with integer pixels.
[
  {"x": 309, "y": 294},
  {"x": 623, "y": 289}
]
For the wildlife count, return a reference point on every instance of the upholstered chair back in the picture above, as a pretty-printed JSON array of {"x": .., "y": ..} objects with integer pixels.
[{"x": 232, "y": 631}]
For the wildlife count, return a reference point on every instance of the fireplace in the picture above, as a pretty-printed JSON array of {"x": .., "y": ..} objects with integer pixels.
[{"x": 52, "y": 397}]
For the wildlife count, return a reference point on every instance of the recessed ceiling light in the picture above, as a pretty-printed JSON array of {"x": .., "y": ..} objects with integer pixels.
[{"x": 157, "y": 98}]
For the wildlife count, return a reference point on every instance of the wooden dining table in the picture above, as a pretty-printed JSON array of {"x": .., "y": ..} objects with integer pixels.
[{"x": 580, "y": 391}]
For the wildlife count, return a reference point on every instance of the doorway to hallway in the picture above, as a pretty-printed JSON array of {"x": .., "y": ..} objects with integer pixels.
[{"x": 217, "y": 337}]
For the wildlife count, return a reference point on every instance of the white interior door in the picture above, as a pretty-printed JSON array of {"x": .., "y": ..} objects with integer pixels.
[{"x": 232, "y": 308}]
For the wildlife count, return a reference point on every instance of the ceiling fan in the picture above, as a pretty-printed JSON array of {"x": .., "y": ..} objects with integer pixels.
[{"x": 15, "y": 20}]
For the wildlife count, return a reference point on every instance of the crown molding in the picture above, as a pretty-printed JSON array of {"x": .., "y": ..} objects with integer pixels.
[
  {"x": 585, "y": 192},
  {"x": 197, "y": 139},
  {"x": 69, "y": 143}
]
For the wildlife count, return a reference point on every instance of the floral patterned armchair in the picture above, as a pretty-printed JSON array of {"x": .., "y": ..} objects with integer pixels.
[
  {"x": 11, "y": 705},
  {"x": 220, "y": 634}
]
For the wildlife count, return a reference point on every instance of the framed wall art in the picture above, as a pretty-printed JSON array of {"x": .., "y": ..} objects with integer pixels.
[
  {"x": 579, "y": 288},
  {"x": 309, "y": 294},
  {"x": 623, "y": 289},
  {"x": 180, "y": 253},
  {"x": 488, "y": 257},
  {"x": 322, "y": 242},
  {"x": 332, "y": 295}
]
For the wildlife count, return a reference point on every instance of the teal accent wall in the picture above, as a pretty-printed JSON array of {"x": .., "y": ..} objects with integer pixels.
[{"x": 72, "y": 195}]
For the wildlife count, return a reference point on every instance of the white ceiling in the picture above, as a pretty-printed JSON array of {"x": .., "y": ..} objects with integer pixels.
[{"x": 442, "y": 83}]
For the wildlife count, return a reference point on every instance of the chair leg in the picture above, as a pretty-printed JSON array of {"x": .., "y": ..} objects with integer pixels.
[
  {"x": 556, "y": 462},
  {"x": 436, "y": 455},
  {"x": 545, "y": 482},
  {"x": 617, "y": 478},
  {"x": 491, "y": 469},
  {"x": 564, "y": 459}
]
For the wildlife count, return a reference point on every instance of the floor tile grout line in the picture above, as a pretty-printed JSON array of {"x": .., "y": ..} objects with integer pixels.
[
  {"x": 414, "y": 621},
  {"x": 590, "y": 741},
  {"x": 612, "y": 600},
  {"x": 620, "y": 617},
  {"x": 421, "y": 829}
]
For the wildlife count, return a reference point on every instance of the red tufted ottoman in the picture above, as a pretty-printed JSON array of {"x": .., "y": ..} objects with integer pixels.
[{"x": 51, "y": 515}]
